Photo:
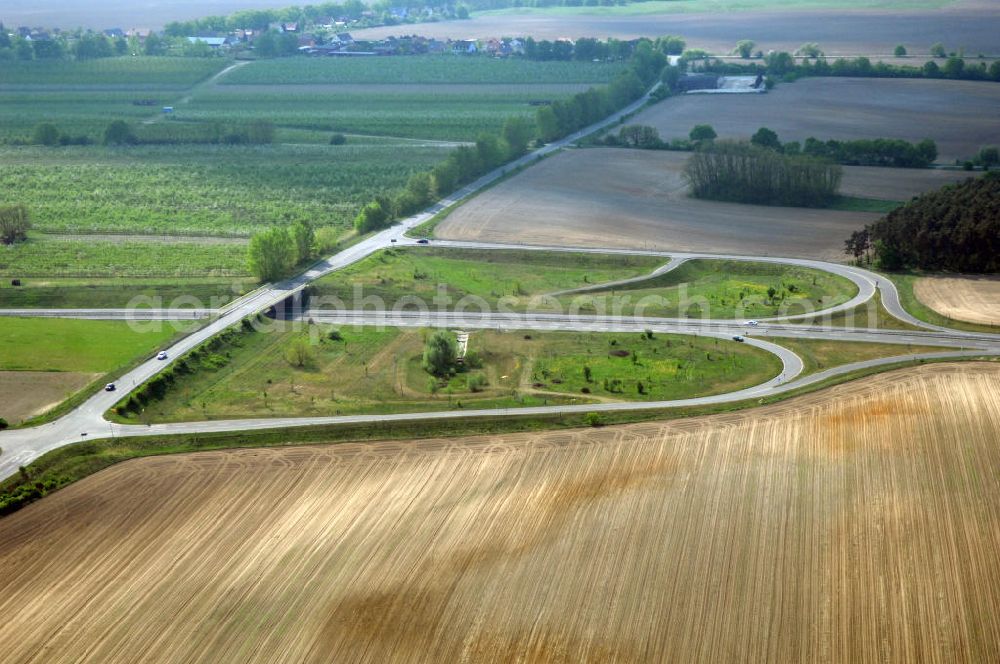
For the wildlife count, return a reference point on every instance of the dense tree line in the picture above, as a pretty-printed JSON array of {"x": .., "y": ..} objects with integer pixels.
[
  {"x": 891, "y": 152},
  {"x": 377, "y": 13},
  {"x": 564, "y": 117},
  {"x": 956, "y": 228},
  {"x": 119, "y": 132},
  {"x": 877, "y": 152},
  {"x": 784, "y": 66},
  {"x": 747, "y": 173},
  {"x": 586, "y": 49}
]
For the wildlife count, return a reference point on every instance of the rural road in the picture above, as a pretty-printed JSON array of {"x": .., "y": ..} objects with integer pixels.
[{"x": 85, "y": 422}]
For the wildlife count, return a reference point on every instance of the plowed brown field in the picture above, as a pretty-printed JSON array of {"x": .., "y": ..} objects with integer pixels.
[
  {"x": 638, "y": 199},
  {"x": 857, "y": 524},
  {"x": 958, "y": 115}
]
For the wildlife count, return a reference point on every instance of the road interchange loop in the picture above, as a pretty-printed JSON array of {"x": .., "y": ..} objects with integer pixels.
[{"x": 87, "y": 421}]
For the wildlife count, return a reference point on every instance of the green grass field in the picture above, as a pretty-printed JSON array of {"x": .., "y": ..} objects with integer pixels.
[
  {"x": 397, "y": 273},
  {"x": 447, "y": 69},
  {"x": 90, "y": 293},
  {"x": 870, "y": 314},
  {"x": 730, "y": 289},
  {"x": 43, "y": 344},
  {"x": 819, "y": 355},
  {"x": 41, "y": 256},
  {"x": 368, "y": 370},
  {"x": 718, "y": 289}
]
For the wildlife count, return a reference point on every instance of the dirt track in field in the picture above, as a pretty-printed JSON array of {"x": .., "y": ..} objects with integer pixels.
[
  {"x": 974, "y": 299},
  {"x": 973, "y": 26},
  {"x": 960, "y": 116},
  {"x": 637, "y": 199},
  {"x": 857, "y": 524},
  {"x": 24, "y": 394}
]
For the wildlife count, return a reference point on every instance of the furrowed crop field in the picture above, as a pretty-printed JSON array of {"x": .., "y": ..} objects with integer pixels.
[
  {"x": 461, "y": 114},
  {"x": 854, "y": 27},
  {"x": 203, "y": 189},
  {"x": 398, "y": 117},
  {"x": 449, "y": 69},
  {"x": 639, "y": 199},
  {"x": 801, "y": 531},
  {"x": 77, "y": 113},
  {"x": 847, "y": 108}
]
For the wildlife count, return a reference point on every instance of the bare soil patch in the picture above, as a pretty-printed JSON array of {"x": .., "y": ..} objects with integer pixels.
[
  {"x": 638, "y": 199},
  {"x": 971, "y": 298},
  {"x": 24, "y": 394},
  {"x": 857, "y": 519},
  {"x": 959, "y": 115}
]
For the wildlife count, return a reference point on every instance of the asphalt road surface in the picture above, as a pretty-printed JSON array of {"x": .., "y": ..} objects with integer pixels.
[{"x": 86, "y": 422}]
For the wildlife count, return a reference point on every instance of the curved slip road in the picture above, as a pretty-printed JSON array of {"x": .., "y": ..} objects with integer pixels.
[{"x": 21, "y": 446}]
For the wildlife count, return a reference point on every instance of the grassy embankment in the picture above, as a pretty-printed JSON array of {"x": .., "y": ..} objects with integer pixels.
[
  {"x": 720, "y": 289},
  {"x": 53, "y": 364},
  {"x": 904, "y": 286},
  {"x": 819, "y": 355},
  {"x": 365, "y": 370}
]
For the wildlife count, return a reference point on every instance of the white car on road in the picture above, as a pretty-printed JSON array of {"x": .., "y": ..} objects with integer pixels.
[
  {"x": 752, "y": 323},
  {"x": 162, "y": 355}
]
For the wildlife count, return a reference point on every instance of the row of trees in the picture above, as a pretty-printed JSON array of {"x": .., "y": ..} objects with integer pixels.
[
  {"x": 15, "y": 222},
  {"x": 466, "y": 163},
  {"x": 784, "y": 65},
  {"x": 463, "y": 165},
  {"x": 587, "y": 49},
  {"x": 864, "y": 152},
  {"x": 877, "y": 152},
  {"x": 747, "y": 173},
  {"x": 274, "y": 252},
  {"x": 956, "y": 228},
  {"x": 271, "y": 254},
  {"x": 95, "y": 45},
  {"x": 565, "y": 117},
  {"x": 119, "y": 132}
]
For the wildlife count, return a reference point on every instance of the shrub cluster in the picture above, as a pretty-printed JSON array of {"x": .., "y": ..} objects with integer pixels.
[
  {"x": 746, "y": 173},
  {"x": 203, "y": 356}
]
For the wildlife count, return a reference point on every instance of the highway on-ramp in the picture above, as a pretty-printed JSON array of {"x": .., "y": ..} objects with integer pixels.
[{"x": 21, "y": 446}]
